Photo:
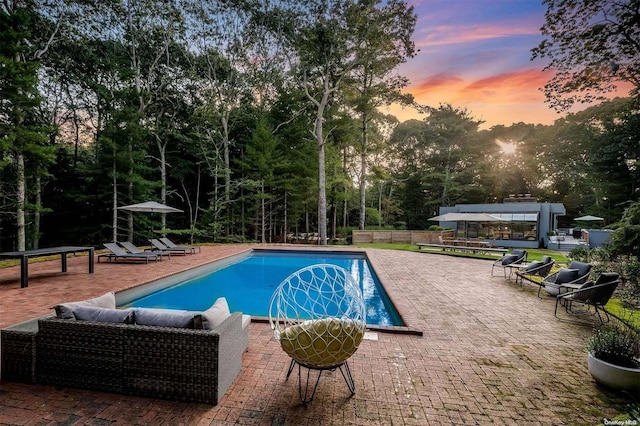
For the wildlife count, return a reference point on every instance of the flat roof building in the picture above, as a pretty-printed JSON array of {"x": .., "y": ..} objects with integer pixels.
[{"x": 519, "y": 221}]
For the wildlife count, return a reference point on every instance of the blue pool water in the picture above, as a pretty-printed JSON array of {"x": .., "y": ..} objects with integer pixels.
[{"x": 248, "y": 285}]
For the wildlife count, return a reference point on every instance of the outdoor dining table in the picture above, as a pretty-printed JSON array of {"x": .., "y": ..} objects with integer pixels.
[{"x": 62, "y": 251}]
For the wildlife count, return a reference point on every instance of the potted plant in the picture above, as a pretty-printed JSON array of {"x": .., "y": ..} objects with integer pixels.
[{"x": 614, "y": 357}]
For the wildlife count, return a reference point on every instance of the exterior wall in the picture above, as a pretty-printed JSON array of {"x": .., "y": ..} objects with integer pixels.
[
  {"x": 598, "y": 237},
  {"x": 400, "y": 237}
]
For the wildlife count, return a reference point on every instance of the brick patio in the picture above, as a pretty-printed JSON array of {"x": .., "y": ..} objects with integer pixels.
[{"x": 491, "y": 353}]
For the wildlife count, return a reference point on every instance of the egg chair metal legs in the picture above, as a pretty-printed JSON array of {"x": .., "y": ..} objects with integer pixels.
[{"x": 304, "y": 388}]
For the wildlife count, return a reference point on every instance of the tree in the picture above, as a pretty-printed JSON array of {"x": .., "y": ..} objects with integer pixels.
[
  {"x": 591, "y": 46},
  {"x": 26, "y": 37},
  {"x": 326, "y": 53},
  {"x": 383, "y": 43}
]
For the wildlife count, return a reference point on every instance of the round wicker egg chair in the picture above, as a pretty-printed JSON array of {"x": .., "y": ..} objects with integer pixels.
[{"x": 318, "y": 316}]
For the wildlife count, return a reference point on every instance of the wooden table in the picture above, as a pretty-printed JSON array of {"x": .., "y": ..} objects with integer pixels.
[{"x": 62, "y": 251}]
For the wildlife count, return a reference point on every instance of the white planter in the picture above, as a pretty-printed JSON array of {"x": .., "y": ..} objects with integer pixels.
[{"x": 614, "y": 376}]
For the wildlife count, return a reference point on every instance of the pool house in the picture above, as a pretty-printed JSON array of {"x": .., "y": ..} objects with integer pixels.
[{"x": 520, "y": 221}]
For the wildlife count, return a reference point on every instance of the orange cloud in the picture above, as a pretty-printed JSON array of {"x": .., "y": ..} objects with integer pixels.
[
  {"x": 518, "y": 86},
  {"x": 505, "y": 98}
]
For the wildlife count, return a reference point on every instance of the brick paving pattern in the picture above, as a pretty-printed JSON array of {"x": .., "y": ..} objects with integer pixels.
[{"x": 491, "y": 353}]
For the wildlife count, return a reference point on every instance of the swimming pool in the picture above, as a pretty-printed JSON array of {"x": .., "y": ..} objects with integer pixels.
[{"x": 249, "y": 282}]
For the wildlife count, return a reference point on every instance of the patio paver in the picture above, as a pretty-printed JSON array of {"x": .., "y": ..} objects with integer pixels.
[{"x": 491, "y": 353}]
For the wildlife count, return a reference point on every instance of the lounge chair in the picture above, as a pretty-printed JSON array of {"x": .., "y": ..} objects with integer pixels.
[
  {"x": 515, "y": 257},
  {"x": 167, "y": 242},
  {"x": 132, "y": 248},
  {"x": 560, "y": 281},
  {"x": 591, "y": 294},
  {"x": 538, "y": 268},
  {"x": 118, "y": 253},
  {"x": 158, "y": 246}
]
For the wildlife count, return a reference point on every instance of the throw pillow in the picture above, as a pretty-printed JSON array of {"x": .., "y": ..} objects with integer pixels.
[
  {"x": 566, "y": 276},
  {"x": 532, "y": 266},
  {"x": 65, "y": 310},
  {"x": 164, "y": 317},
  {"x": 509, "y": 259},
  {"x": 93, "y": 313},
  {"x": 213, "y": 317}
]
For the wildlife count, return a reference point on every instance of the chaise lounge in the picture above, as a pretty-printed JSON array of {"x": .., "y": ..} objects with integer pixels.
[{"x": 116, "y": 252}]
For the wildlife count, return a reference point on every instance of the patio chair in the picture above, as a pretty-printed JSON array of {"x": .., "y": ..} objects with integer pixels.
[
  {"x": 132, "y": 248},
  {"x": 537, "y": 268},
  {"x": 116, "y": 252},
  {"x": 318, "y": 316},
  {"x": 515, "y": 257},
  {"x": 158, "y": 246},
  {"x": 578, "y": 304},
  {"x": 565, "y": 278},
  {"x": 167, "y": 242}
]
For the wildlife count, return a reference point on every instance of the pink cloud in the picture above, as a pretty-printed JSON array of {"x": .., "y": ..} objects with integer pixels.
[{"x": 454, "y": 34}]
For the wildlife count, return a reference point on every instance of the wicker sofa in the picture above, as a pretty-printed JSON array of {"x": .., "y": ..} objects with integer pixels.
[{"x": 194, "y": 365}]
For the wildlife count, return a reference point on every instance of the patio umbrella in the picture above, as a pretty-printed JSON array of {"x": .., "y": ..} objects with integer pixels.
[
  {"x": 589, "y": 218},
  {"x": 151, "y": 207}
]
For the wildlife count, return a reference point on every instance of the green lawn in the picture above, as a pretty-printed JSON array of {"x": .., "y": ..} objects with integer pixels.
[{"x": 532, "y": 254}]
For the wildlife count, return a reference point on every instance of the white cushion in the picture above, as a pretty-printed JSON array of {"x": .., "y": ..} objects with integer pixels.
[
  {"x": 218, "y": 312},
  {"x": 246, "y": 320}
]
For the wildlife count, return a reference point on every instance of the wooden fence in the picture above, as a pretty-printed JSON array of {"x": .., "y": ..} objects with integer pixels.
[{"x": 401, "y": 237}]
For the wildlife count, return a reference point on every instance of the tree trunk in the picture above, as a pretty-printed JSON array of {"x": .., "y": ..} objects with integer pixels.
[
  {"x": 130, "y": 195},
  {"x": 115, "y": 201},
  {"x": 162, "y": 149},
  {"x": 263, "y": 213},
  {"x": 322, "y": 180},
  {"x": 36, "y": 215},
  {"x": 21, "y": 200},
  {"x": 363, "y": 173},
  {"x": 285, "y": 232}
]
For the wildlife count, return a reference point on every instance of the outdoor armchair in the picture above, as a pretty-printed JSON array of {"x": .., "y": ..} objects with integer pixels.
[
  {"x": 515, "y": 257},
  {"x": 589, "y": 300},
  {"x": 558, "y": 282},
  {"x": 538, "y": 268}
]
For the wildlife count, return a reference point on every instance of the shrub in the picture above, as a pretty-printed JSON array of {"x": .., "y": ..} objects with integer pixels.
[
  {"x": 580, "y": 254},
  {"x": 616, "y": 345},
  {"x": 630, "y": 294}
]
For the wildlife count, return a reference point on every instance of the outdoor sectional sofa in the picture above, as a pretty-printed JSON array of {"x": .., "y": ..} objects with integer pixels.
[{"x": 188, "y": 359}]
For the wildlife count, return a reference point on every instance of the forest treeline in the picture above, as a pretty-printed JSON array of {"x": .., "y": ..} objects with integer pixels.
[{"x": 261, "y": 121}]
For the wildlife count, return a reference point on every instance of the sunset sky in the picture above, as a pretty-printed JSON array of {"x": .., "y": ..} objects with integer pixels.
[{"x": 475, "y": 54}]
